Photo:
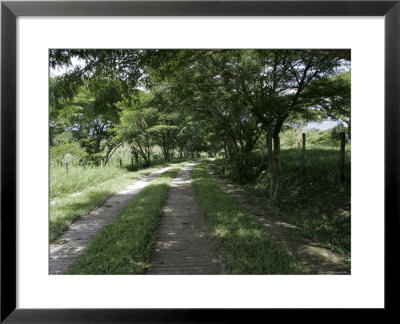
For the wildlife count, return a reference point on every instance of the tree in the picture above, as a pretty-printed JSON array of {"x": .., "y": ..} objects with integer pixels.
[
  {"x": 237, "y": 94},
  {"x": 196, "y": 82},
  {"x": 125, "y": 66},
  {"x": 337, "y": 105},
  {"x": 245, "y": 92},
  {"x": 135, "y": 129},
  {"x": 89, "y": 116},
  {"x": 192, "y": 137},
  {"x": 165, "y": 133}
]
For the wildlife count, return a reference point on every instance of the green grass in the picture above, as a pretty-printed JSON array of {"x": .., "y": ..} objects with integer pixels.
[
  {"x": 315, "y": 202},
  {"x": 77, "y": 178},
  {"x": 124, "y": 246},
  {"x": 67, "y": 208},
  {"x": 243, "y": 246}
]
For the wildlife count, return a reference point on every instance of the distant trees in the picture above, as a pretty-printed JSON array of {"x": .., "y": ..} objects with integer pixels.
[
  {"x": 247, "y": 92},
  {"x": 333, "y": 98},
  {"x": 197, "y": 100},
  {"x": 134, "y": 129},
  {"x": 89, "y": 116}
]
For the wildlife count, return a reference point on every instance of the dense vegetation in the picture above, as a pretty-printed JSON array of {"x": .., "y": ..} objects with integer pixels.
[
  {"x": 130, "y": 109},
  {"x": 314, "y": 201},
  {"x": 192, "y": 101}
]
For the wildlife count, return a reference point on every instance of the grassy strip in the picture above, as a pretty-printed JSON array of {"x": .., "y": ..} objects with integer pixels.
[
  {"x": 244, "y": 247},
  {"x": 66, "y": 210},
  {"x": 315, "y": 202},
  {"x": 78, "y": 178},
  {"x": 124, "y": 246},
  {"x": 65, "y": 182}
]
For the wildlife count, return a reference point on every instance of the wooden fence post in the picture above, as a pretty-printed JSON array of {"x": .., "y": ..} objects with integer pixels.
[
  {"x": 120, "y": 163},
  {"x": 341, "y": 158},
  {"x": 303, "y": 154},
  {"x": 132, "y": 162},
  {"x": 66, "y": 165},
  {"x": 101, "y": 163}
]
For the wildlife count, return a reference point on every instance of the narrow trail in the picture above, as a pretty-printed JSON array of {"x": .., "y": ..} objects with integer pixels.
[
  {"x": 70, "y": 245},
  {"x": 314, "y": 257},
  {"x": 182, "y": 245}
]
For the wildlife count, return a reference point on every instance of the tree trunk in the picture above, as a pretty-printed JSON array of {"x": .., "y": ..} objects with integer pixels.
[
  {"x": 277, "y": 170},
  {"x": 274, "y": 164},
  {"x": 146, "y": 161},
  {"x": 226, "y": 159},
  {"x": 271, "y": 163},
  {"x": 136, "y": 157},
  {"x": 349, "y": 129}
]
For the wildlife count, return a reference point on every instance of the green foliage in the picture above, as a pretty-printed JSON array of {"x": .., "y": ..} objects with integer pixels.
[
  {"x": 87, "y": 116},
  {"x": 335, "y": 132},
  {"x": 67, "y": 151},
  {"x": 135, "y": 129},
  {"x": 243, "y": 170},
  {"x": 322, "y": 138},
  {"x": 315, "y": 202},
  {"x": 195, "y": 101},
  {"x": 291, "y": 137}
]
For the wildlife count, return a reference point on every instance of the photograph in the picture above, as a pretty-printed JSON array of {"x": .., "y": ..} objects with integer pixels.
[
  {"x": 209, "y": 161},
  {"x": 198, "y": 161}
]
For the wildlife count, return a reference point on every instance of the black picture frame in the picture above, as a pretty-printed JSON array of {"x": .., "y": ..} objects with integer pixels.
[{"x": 10, "y": 10}]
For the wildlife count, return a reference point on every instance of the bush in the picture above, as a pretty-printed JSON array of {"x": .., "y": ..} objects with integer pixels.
[
  {"x": 245, "y": 168},
  {"x": 335, "y": 132},
  {"x": 68, "y": 152}
]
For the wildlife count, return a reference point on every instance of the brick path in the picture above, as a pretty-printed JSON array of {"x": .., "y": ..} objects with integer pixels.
[
  {"x": 314, "y": 257},
  {"x": 72, "y": 243},
  {"x": 182, "y": 245}
]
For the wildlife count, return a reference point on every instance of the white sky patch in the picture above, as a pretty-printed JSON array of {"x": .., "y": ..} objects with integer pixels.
[
  {"x": 324, "y": 125},
  {"x": 60, "y": 70}
]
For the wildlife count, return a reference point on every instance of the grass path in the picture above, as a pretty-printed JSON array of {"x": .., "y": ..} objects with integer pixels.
[
  {"x": 182, "y": 244},
  {"x": 243, "y": 246},
  {"x": 67, "y": 208},
  {"x": 72, "y": 243},
  {"x": 314, "y": 257},
  {"x": 124, "y": 246}
]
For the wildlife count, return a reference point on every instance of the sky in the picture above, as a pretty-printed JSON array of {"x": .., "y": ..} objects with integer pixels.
[
  {"x": 324, "y": 125},
  {"x": 62, "y": 70}
]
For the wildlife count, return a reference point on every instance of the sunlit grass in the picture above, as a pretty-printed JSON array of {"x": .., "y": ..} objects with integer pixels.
[
  {"x": 244, "y": 247},
  {"x": 77, "y": 178},
  {"x": 124, "y": 246},
  {"x": 66, "y": 209},
  {"x": 314, "y": 201}
]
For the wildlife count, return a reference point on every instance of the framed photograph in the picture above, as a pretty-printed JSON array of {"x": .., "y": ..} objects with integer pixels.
[{"x": 361, "y": 40}]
